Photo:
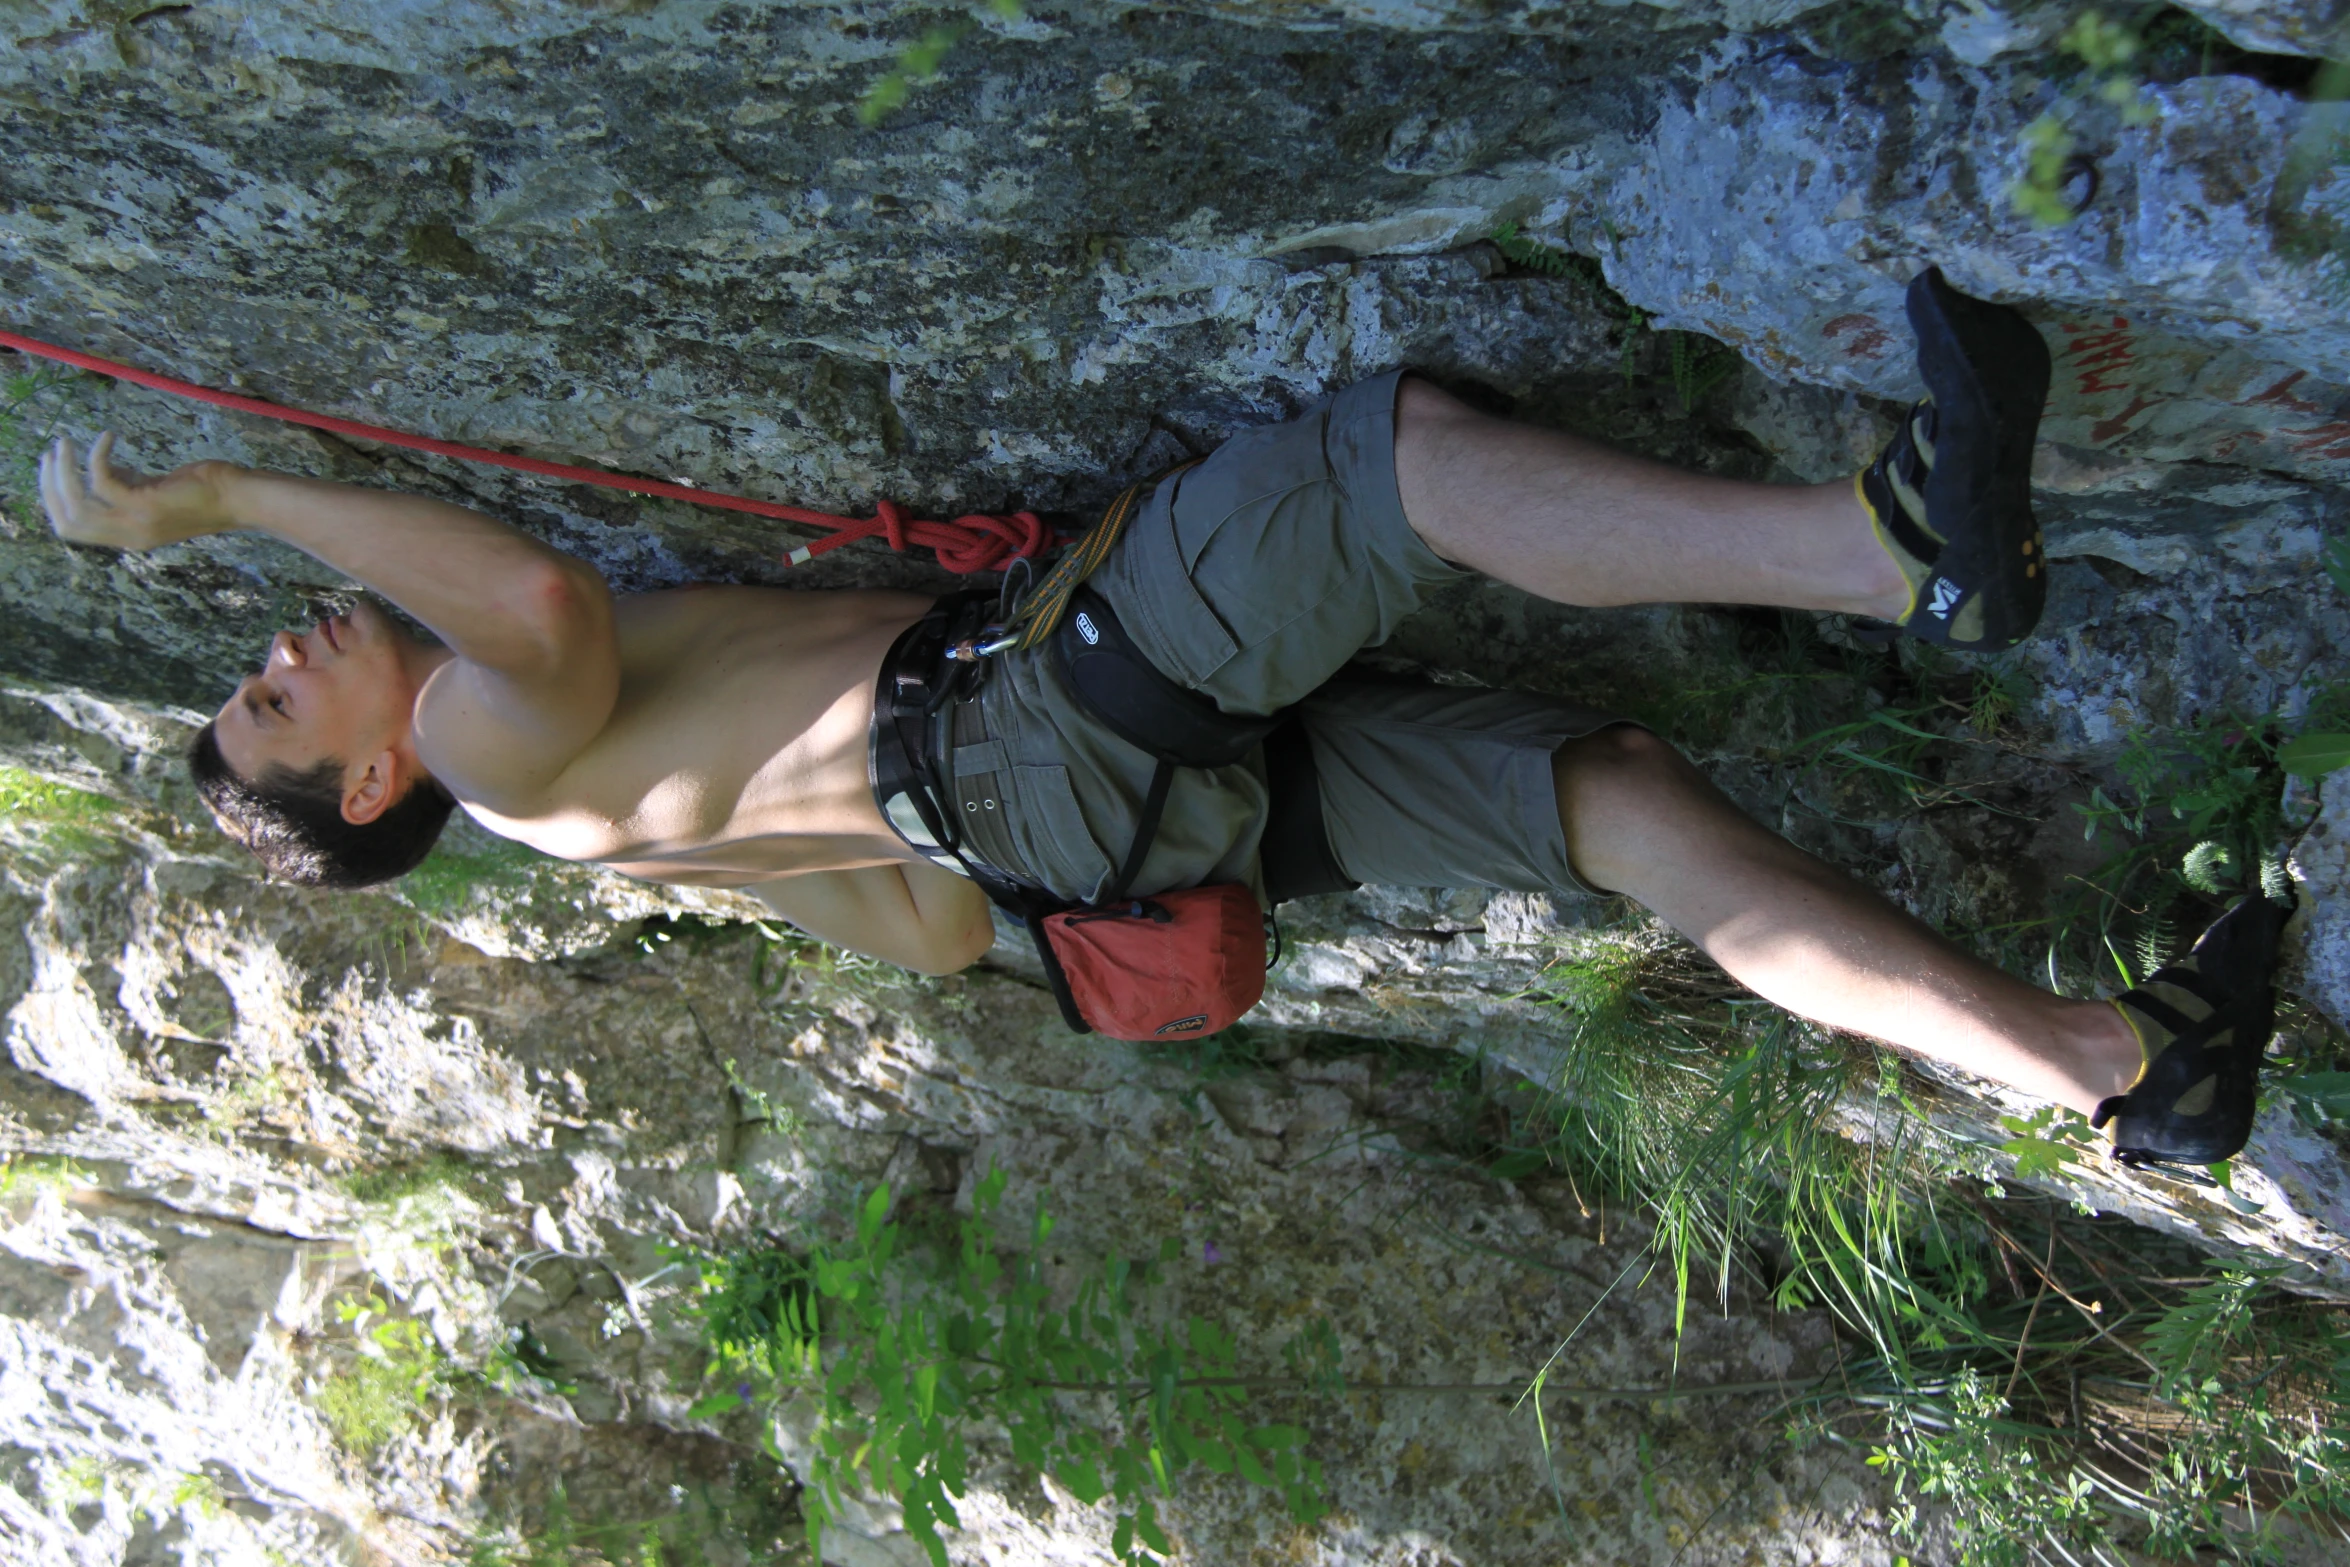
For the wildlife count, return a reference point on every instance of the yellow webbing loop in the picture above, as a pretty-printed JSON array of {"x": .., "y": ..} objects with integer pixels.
[{"x": 1043, "y": 606}]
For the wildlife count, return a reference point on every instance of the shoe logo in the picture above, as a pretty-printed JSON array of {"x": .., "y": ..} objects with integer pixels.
[
  {"x": 1183, "y": 1025},
  {"x": 1946, "y": 596},
  {"x": 1088, "y": 630}
]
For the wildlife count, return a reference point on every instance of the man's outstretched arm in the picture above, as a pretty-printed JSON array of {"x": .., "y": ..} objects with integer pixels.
[
  {"x": 537, "y": 666},
  {"x": 916, "y": 916}
]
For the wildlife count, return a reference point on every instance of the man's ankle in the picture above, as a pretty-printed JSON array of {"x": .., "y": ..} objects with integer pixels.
[
  {"x": 2107, "y": 1052},
  {"x": 1875, "y": 587}
]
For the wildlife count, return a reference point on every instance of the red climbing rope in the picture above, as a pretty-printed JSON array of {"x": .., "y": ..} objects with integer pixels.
[{"x": 977, "y": 542}]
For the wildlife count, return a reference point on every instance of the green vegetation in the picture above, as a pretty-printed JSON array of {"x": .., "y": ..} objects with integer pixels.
[
  {"x": 2206, "y": 1418},
  {"x": 437, "y": 1173},
  {"x": 522, "y": 1359},
  {"x": 755, "y": 1106},
  {"x": 2184, "y": 818},
  {"x": 2103, "y": 63},
  {"x": 2063, "y": 1386},
  {"x": 1859, "y": 729},
  {"x": 2061, "y": 1383},
  {"x": 29, "y": 403},
  {"x": 53, "y": 822},
  {"x": 445, "y": 882},
  {"x": 2102, "y": 58},
  {"x": 1694, "y": 363},
  {"x": 919, "y": 61},
  {"x": 2335, "y": 559},
  {"x": 899, "y": 1368},
  {"x": 24, "y": 1175},
  {"x": 394, "y": 1370},
  {"x": 752, "y": 1523},
  {"x": 2196, "y": 810}
]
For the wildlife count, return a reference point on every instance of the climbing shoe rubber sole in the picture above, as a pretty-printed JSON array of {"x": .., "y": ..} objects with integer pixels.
[{"x": 1986, "y": 370}]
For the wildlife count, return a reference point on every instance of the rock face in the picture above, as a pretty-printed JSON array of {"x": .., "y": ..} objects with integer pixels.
[
  {"x": 192, "y": 1050},
  {"x": 659, "y": 237}
]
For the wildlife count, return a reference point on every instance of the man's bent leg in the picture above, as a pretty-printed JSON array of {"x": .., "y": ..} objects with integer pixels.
[
  {"x": 1580, "y": 523},
  {"x": 1640, "y": 820}
]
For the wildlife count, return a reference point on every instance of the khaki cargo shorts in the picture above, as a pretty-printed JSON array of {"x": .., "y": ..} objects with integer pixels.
[{"x": 1254, "y": 578}]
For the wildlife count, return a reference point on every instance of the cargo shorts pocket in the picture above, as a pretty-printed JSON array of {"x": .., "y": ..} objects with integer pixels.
[
  {"x": 1049, "y": 835},
  {"x": 1148, "y": 583}
]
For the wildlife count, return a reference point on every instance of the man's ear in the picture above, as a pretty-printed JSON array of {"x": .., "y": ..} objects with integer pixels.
[{"x": 373, "y": 794}]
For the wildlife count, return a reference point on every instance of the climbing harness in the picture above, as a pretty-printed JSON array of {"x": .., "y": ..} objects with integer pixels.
[
  {"x": 973, "y": 543},
  {"x": 1163, "y": 965}
]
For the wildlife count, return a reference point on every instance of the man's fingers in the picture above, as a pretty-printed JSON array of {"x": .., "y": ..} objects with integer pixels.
[
  {"x": 105, "y": 483},
  {"x": 65, "y": 474},
  {"x": 49, "y": 487},
  {"x": 57, "y": 496}
]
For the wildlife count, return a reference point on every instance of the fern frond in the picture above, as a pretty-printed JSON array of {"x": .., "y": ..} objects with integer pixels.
[{"x": 2206, "y": 866}]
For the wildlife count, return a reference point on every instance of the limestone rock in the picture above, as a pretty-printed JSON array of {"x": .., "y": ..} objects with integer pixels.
[{"x": 659, "y": 238}]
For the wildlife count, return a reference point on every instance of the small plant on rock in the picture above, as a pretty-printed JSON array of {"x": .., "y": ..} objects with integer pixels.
[
  {"x": 395, "y": 1368},
  {"x": 889, "y": 1375}
]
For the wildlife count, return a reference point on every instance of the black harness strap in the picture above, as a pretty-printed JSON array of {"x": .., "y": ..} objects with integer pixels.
[
  {"x": 1295, "y": 851},
  {"x": 1146, "y": 830}
]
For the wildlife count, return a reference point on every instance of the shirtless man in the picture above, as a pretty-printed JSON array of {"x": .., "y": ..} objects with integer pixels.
[{"x": 718, "y": 736}]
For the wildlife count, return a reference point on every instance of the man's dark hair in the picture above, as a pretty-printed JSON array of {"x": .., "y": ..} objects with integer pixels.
[{"x": 293, "y": 821}]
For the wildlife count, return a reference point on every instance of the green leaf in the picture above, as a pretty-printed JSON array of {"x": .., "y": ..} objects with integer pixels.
[
  {"x": 2206, "y": 867},
  {"x": 1514, "y": 1166},
  {"x": 1250, "y": 1469},
  {"x": 1147, "y": 1526},
  {"x": 1082, "y": 1479},
  {"x": 2036, "y": 1157},
  {"x": 926, "y": 1390},
  {"x": 1122, "y": 1538},
  {"x": 1275, "y": 1437},
  {"x": 2328, "y": 1093},
  {"x": 2314, "y": 755},
  {"x": 2336, "y": 559},
  {"x": 715, "y": 1404},
  {"x": 876, "y": 1210}
]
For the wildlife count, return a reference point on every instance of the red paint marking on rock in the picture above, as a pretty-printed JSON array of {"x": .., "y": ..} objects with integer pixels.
[{"x": 1868, "y": 335}]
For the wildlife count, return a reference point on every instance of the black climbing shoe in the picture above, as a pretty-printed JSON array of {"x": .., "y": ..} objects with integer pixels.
[
  {"x": 2204, "y": 1025},
  {"x": 1951, "y": 497}
]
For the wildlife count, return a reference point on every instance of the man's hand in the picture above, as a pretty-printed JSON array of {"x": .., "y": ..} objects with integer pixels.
[{"x": 123, "y": 510}]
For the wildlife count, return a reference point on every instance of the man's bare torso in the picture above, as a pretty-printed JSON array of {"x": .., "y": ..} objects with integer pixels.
[{"x": 737, "y": 750}]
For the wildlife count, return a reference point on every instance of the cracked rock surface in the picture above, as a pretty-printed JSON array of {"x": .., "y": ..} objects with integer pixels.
[{"x": 656, "y": 236}]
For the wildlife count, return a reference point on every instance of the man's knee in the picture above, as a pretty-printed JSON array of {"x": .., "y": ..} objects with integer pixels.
[
  {"x": 1618, "y": 789},
  {"x": 1621, "y": 757},
  {"x": 1420, "y": 404}
]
